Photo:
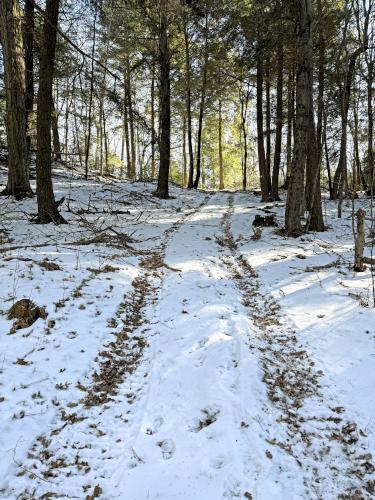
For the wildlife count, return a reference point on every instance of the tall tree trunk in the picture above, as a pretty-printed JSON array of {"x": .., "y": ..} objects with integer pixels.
[
  {"x": 221, "y": 163},
  {"x": 268, "y": 119},
  {"x": 184, "y": 159},
  {"x": 263, "y": 172},
  {"x": 55, "y": 133},
  {"x": 315, "y": 220},
  {"x": 328, "y": 166},
  {"x": 290, "y": 115},
  {"x": 15, "y": 91},
  {"x": 370, "y": 130},
  {"x": 131, "y": 119},
  {"x": 28, "y": 38},
  {"x": 321, "y": 80},
  {"x": 165, "y": 102},
  {"x": 88, "y": 138},
  {"x": 244, "y": 98},
  {"x": 153, "y": 134},
  {"x": 47, "y": 207},
  {"x": 202, "y": 106},
  {"x": 295, "y": 190},
  {"x": 188, "y": 104},
  {"x": 279, "y": 125}
]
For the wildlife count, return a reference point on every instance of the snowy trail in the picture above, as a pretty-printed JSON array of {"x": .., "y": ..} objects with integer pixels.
[{"x": 206, "y": 394}]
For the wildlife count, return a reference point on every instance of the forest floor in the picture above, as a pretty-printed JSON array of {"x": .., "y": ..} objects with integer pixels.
[{"x": 178, "y": 357}]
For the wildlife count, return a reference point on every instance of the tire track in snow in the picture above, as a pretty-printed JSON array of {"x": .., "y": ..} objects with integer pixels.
[
  {"x": 330, "y": 450},
  {"x": 80, "y": 443}
]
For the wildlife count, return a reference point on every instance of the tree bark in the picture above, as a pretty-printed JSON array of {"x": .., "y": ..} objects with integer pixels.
[
  {"x": 279, "y": 125},
  {"x": 28, "y": 37},
  {"x": 295, "y": 190},
  {"x": 165, "y": 102},
  {"x": 263, "y": 172},
  {"x": 370, "y": 130},
  {"x": 55, "y": 134},
  {"x": 268, "y": 119},
  {"x": 184, "y": 159},
  {"x": 15, "y": 91},
  {"x": 289, "y": 124},
  {"x": 153, "y": 135},
  {"x": 131, "y": 170},
  {"x": 47, "y": 207},
  {"x": 202, "y": 106},
  {"x": 188, "y": 104},
  {"x": 88, "y": 138}
]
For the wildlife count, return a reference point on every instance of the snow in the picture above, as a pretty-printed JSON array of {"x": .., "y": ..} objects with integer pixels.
[{"x": 156, "y": 374}]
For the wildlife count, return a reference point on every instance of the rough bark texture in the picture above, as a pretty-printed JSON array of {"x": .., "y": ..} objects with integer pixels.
[
  {"x": 165, "y": 103},
  {"x": 201, "y": 108},
  {"x": 289, "y": 124},
  {"x": 279, "y": 125},
  {"x": 153, "y": 134},
  {"x": 370, "y": 132},
  {"x": 14, "y": 75},
  {"x": 55, "y": 134},
  {"x": 315, "y": 220},
  {"x": 295, "y": 190},
  {"x": 28, "y": 37},
  {"x": 263, "y": 172},
  {"x": 188, "y": 105},
  {"x": 268, "y": 119},
  {"x": 47, "y": 207}
]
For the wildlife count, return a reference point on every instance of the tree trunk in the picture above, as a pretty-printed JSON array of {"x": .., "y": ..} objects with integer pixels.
[
  {"x": 268, "y": 119},
  {"x": 221, "y": 163},
  {"x": 165, "y": 102},
  {"x": 131, "y": 173},
  {"x": 370, "y": 130},
  {"x": 327, "y": 155},
  {"x": 289, "y": 124},
  {"x": 201, "y": 107},
  {"x": 55, "y": 134},
  {"x": 279, "y": 125},
  {"x": 263, "y": 172},
  {"x": 295, "y": 190},
  {"x": 244, "y": 98},
  {"x": 15, "y": 91},
  {"x": 188, "y": 105},
  {"x": 28, "y": 37},
  {"x": 153, "y": 135},
  {"x": 315, "y": 220},
  {"x": 47, "y": 207},
  {"x": 321, "y": 81},
  {"x": 184, "y": 159},
  {"x": 88, "y": 139}
]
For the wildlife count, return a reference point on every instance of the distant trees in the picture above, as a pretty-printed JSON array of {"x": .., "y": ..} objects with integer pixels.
[{"x": 204, "y": 93}]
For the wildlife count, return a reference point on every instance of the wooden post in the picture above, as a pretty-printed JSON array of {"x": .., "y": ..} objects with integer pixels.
[{"x": 360, "y": 241}]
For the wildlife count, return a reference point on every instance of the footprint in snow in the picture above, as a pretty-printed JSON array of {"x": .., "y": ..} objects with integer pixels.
[
  {"x": 155, "y": 426},
  {"x": 209, "y": 416},
  {"x": 167, "y": 447}
]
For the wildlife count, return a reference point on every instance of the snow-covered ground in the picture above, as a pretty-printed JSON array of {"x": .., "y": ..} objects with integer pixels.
[{"x": 181, "y": 359}]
